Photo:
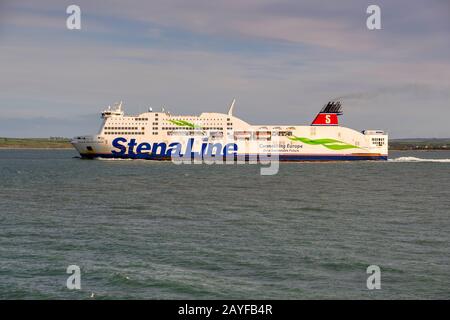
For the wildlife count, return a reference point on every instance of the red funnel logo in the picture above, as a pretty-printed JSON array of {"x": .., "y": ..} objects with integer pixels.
[
  {"x": 326, "y": 119},
  {"x": 328, "y": 116}
]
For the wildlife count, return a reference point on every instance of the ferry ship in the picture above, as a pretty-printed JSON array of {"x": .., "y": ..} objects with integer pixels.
[{"x": 159, "y": 135}]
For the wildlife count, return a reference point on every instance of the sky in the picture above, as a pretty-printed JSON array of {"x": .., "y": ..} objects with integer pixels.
[{"x": 282, "y": 61}]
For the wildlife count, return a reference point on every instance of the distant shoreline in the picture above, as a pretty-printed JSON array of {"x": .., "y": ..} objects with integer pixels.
[
  {"x": 417, "y": 144},
  {"x": 35, "y": 143}
]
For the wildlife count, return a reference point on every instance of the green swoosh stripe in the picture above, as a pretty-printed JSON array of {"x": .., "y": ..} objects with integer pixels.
[
  {"x": 331, "y": 144},
  {"x": 183, "y": 123}
]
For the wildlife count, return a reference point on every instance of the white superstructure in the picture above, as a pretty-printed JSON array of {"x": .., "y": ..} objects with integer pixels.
[{"x": 159, "y": 135}]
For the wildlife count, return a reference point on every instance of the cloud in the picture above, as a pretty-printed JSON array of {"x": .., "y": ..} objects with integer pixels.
[{"x": 282, "y": 60}]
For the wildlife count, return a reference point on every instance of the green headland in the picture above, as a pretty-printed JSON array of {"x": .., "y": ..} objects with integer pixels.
[
  {"x": 64, "y": 143},
  {"x": 35, "y": 143},
  {"x": 419, "y": 144}
]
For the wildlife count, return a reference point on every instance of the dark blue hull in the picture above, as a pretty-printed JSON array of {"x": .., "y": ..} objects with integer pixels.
[{"x": 283, "y": 157}]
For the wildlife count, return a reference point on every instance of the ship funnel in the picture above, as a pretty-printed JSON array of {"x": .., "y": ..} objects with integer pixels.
[{"x": 328, "y": 115}]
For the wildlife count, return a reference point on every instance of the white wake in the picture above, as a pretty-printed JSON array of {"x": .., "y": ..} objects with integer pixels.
[{"x": 414, "y": 159}]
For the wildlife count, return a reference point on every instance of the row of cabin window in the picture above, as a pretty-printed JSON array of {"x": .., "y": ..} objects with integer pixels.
[
  {"x": 187, "y": 128},
  {"x": 273, "y": 133},
  {"x": 127, "y": 133},
  {"x": 196, "y": 119},
  {"x": 282, "y": 133},
  {"x": 122, "y": 128},
  {"x": 191, "y": 132},
  {"x": 185, "y": 133}
]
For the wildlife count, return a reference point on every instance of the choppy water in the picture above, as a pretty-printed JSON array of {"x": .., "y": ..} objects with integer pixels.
[{"x": 155, "y": 230}]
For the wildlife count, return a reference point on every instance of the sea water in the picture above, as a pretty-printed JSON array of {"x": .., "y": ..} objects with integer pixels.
[{"x": 155, "y": 230}]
